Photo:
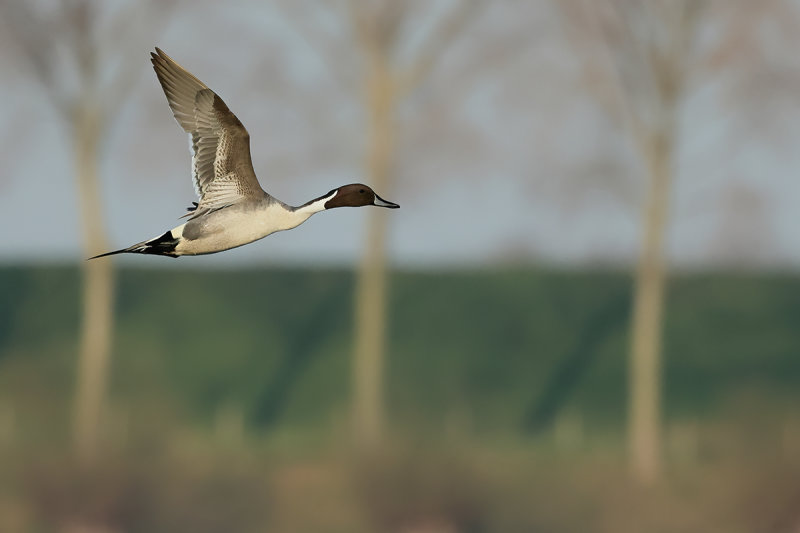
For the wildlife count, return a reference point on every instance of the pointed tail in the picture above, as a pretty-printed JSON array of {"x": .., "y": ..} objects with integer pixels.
[{"x": 163, "y": 245}]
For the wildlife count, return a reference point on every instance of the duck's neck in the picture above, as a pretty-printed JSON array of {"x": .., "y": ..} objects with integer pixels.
[
  {"x": 314, "y": 206},
  {"x": 298, "y": 215}
]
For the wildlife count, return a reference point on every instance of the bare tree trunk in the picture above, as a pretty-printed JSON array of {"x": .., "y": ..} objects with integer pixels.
[
  {"x": 645, "y": 364},
  {"x": 98, "y": 289},
  {"x": 370, "y": 326}
]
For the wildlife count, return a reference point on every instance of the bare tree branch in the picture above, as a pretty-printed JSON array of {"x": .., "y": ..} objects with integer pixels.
[
  {"x": 318, "y": 39},
  {"x": 377, "y": 24},
  {"x": 130, "y": 25},
  {"x": 36, "y": 38},
  {"x": 459, "y": 18},
  {"x": 360, "y": 21}
]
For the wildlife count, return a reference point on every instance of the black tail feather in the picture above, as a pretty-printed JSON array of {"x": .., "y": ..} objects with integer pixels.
[
  {"x": 163, "y": 245},
  {"x": 124, "y": 250}
]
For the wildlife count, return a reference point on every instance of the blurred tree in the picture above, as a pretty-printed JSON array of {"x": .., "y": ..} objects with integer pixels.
[
  {"x": 382, "y": 29},
  {"x": 650, "y": 55},
  {"x": 648, "y": 49},
  {"x": 68, "y": 46}
]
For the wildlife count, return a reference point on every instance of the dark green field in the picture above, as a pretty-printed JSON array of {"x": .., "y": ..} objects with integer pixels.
[
  {"x": 505, "y": 395},
  {"x": 502, "y": 350}
]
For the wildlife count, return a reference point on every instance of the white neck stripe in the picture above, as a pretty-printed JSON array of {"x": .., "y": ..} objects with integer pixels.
[{"x": 318, "y": 205}]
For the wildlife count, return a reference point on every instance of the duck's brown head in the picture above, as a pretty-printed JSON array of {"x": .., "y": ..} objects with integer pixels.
[{"x": 356, "y": 195}]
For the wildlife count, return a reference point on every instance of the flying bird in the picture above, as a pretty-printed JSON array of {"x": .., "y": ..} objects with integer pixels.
[{"x": 233, "y": 209}]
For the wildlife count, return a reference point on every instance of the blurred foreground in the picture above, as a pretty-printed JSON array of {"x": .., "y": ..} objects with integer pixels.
[{"x": 506, "y": 396}]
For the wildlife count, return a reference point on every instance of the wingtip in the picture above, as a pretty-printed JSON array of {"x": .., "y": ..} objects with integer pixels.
[{"x": 159, "y": 56}]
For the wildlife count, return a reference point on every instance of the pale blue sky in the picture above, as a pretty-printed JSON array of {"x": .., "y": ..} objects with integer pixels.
[{"x": 513, "y": 162}]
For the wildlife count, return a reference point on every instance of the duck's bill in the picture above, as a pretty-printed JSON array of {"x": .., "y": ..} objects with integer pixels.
[{"x": 380, "y": 202}]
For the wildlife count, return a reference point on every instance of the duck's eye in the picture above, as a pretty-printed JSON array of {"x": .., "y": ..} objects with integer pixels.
[{"x": 361, "y": 191}]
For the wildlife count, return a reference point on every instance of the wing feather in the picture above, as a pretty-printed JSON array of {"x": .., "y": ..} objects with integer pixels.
[{"x": 221, "y": 164}]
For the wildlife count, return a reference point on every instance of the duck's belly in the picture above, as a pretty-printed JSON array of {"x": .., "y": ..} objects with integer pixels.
[{"x": 229, "y": 228}]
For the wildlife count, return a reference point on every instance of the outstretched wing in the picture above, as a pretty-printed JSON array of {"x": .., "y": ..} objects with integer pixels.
[{"x": 221, "y": 165}]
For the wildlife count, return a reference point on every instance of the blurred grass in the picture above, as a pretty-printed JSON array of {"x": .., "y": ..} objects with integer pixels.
[{"x": 506, "y": 396}]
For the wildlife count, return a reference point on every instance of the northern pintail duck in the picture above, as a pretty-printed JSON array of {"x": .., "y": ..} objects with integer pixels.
[{"x": 233, "y": 209}]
